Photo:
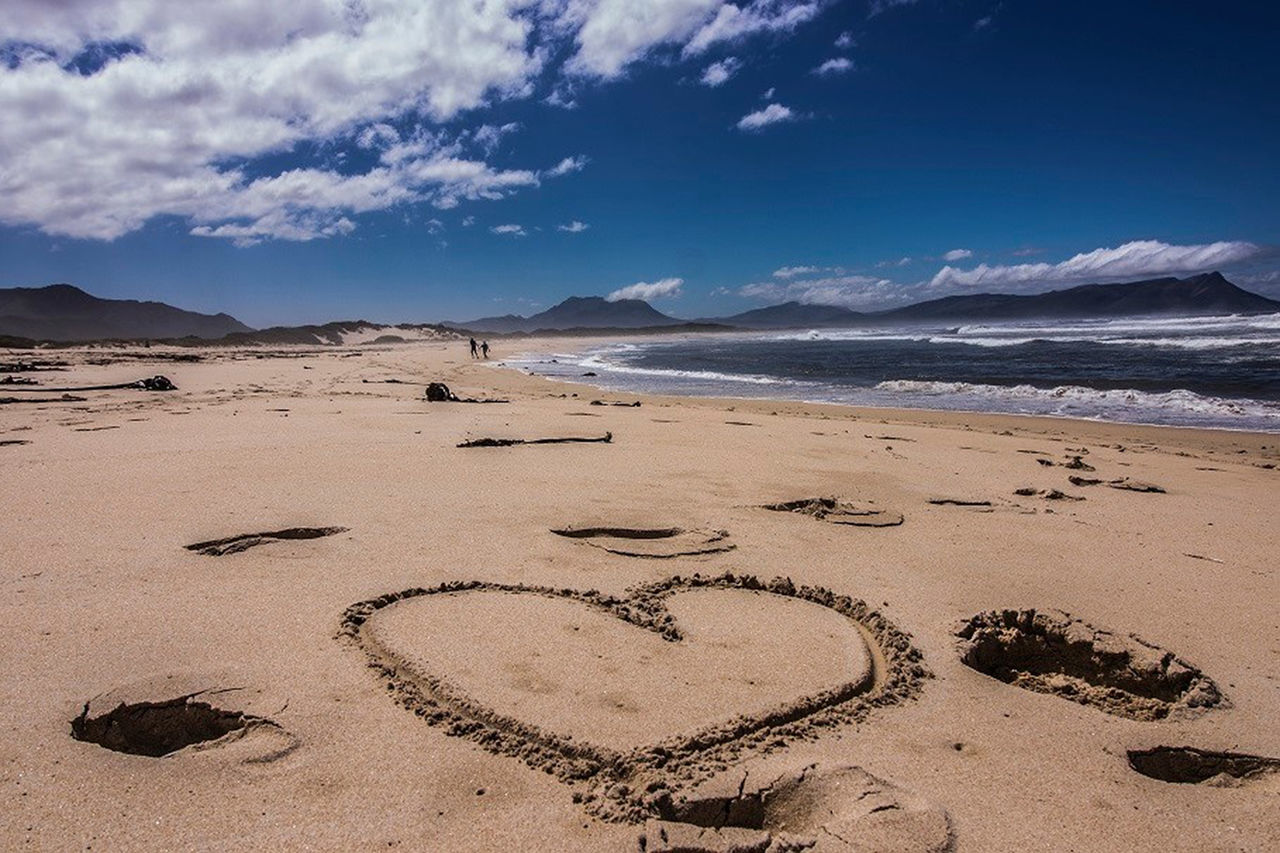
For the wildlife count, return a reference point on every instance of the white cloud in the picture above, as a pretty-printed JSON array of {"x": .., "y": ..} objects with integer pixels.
[
  {"x": 845, "y": 40},
  {"x": 614, "y": 33},
  {"x": 160, "y": 131},
  {"x": 510, "y": 230},
  {"x": 732, "y": 23},
  {"x": 567, "y": 166},
  {"x": 1130, "y": 260},
  {"x": 562, "y": 97},
  {"x": 667, "y": 288},
  {"x": 838, "y": 65},
  {"x": 982, "y": 23},
  {"x": 957, "y": 255},
  {"x": 900, "y": 262},
  {"x": 717, "y": 73},
  {"x": 468, "y": 221},
  {"x": 792, "y": 272},
  {"x": 771, "y": 114},
  {"x": 179, "y": 123},
  {"x": 574, "y": 227},
  {"x": 850, "y": 291},
  {"x": 767, "y": 94},
  {"x": 489, "y": 136}
]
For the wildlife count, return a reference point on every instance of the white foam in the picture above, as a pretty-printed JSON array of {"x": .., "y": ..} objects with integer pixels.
[{"x": 1079, "y": 401}]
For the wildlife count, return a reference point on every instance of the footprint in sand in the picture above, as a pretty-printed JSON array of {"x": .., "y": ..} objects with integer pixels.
[
  {"x": 245, "y": 541},
  {"x": 652, "y": 542},
  {"x": 836, "y": 511},
  {"x": 817, "y": 808},
  {"x": 1191, "y": 766},
  {"x": 124, "y": 720},
  {"x": 1051, "y": 652}
]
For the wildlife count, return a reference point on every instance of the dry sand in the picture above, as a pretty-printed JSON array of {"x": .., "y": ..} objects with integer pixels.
[{"x": 397, "y": 651}]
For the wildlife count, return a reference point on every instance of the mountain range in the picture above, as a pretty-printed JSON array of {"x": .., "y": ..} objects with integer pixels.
[
  {"x": 61, "y": 312},
  {"x": 576, "y": 312},
  {"x": 1208, "y": 293}
]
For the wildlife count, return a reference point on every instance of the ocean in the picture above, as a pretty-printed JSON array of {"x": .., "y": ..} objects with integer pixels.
[{"x": 1221, "y": 372}]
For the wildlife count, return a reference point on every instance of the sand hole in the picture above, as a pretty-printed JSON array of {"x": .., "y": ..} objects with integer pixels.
[
  {"x": 1188, "y": 765},
  {"x": 159, "y": 728},
  {"x": 1050, "y": 652},
  {"x": 245, "y": 541},
  {"x": 653, "y": 542},
  {"x": 619, "y": 532},
  {"x": 837, "y": 511}
]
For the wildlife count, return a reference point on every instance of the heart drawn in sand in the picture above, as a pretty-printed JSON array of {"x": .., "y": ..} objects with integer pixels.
[{"x": 637, "y": 696}]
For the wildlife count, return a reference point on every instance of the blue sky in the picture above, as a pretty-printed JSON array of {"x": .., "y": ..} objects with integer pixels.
[{"x": 447, "y": 160}]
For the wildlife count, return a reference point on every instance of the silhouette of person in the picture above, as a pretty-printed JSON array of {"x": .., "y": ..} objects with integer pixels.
[
  {"x": 474, "y": 354},
  {"x": 484, "y": 348}
]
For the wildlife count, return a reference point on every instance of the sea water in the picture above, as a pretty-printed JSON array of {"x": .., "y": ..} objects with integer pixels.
[{"x": 1221, "y": 372}]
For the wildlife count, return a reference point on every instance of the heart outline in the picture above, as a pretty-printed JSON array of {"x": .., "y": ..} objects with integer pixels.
[{"x": 636, "y": 784}]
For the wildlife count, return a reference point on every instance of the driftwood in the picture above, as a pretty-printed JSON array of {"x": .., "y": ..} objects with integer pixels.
[
  {"x": 153, "y": 383},
  {"x": 511, "y": 442},
  {"x": 65, "y": 398},
  {"x": 634, "y": 405},
  {"x": 438, "y": 392}
]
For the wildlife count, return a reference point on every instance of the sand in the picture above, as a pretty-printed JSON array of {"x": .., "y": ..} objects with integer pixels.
[{"x": 381, "y": 641}]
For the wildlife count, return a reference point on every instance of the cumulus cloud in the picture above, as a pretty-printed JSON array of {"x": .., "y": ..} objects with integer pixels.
[
  {"x": 120, "y": 111},
  {"x": 510, "y": 230},
  {"x": 1130, "y": 260},
  {"x": 717, "y": 73},
  {"x": 792, "y": 272},
  {"x": 771, "y": 114},
  {"x": 667, "y": 288},
  {"x": 850, "y": 291},
  {"x": 167, "y": 127},
  {"x": 838, "y": 65},
  {"x": 957, "y": 255},
  {"x": 574, "y": 227}
]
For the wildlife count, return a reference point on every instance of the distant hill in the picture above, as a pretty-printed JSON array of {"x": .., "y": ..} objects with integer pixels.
[
  {"x": 577, "y": 312},
  {"x": 61, "y": 312},
  {"x": 1208, "y": 293},
  {"x": 793, "y": 315},
  {"x": 341, "y": 333}
]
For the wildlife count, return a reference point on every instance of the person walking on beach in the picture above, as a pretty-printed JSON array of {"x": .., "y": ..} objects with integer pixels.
[
  {"x": 474, "y": 354},
  {"x": 484, "y": 348}
]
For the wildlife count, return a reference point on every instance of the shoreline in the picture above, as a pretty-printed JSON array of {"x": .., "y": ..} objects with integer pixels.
[
  {"x": 1057, "y": 424},
  {"x": 577, "y": 346}
]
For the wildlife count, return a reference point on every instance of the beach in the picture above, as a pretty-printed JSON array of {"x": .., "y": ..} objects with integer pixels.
[{"x": 408, "y": 655}]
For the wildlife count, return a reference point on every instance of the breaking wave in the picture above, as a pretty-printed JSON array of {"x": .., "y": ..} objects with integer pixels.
[{"x": 1221, "y": 372}]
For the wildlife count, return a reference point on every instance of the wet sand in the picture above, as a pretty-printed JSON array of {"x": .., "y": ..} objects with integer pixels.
[{"x": 381, "y": 642}]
